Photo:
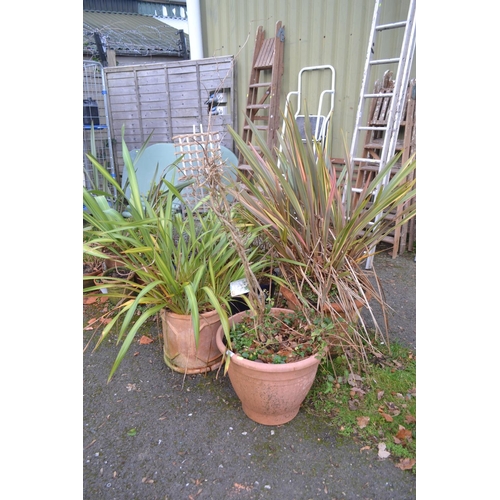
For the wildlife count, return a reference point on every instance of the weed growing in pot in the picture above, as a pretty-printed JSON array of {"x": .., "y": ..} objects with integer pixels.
[{"x": 283, "y": 337}]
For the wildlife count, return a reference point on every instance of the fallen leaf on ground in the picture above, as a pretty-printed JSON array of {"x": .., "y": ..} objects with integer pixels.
[
  {"x": 354, "y": 380},
  {"x": 145, "y": 340},
  {"x": 387, "y": 417},
  {"x": 353, "y": 404},
  {"x": 240, "y": 487},
  {"x": 410, "y": 419},
  {"x": 364, "y": 448},
  {"x": 363, "y": 421},
  {"x": 382, "y": 452},
  {"x": 380, "y": 394},
  {"x": 406, "y": 464},
  {"x": 392, "y": 408},
  {"x": 404, "y": 434},
  {"x": 89, "y": 300}
]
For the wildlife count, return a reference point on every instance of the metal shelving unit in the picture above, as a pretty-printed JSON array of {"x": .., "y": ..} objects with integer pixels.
[{"x": 96, "y": 130}]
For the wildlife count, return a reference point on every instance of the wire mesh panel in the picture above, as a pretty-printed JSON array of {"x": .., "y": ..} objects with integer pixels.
[{"x": 96, "y": 132}]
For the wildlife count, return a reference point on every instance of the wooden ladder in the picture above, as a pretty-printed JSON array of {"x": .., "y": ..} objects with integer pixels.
[{"x": 263, "y": 99}]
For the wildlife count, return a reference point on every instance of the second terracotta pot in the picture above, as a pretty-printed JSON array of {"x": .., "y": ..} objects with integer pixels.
[
  {"x": 180, "y": 351},
  {"x": 270, "y": 394}
]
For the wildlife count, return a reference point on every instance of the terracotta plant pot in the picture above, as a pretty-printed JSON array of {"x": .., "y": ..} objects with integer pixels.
[
  {"x": 89, "y": 275},
  {"x": 179, "y": 348},
  {"x": 270, "y": 394}
]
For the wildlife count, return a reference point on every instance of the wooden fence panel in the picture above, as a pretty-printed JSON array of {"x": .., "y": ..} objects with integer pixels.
[{"x": 168, "y": 99}]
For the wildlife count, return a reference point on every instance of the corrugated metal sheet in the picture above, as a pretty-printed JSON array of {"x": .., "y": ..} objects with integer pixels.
[
  {"x": 131, "y": 34},
  {"x": 319, "y": 32}
]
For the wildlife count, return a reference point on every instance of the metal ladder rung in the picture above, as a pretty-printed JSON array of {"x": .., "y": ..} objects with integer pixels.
[
  {"x": 381, "y": 94},
  {"x": 400, "y": 24},
  {"x": 381, "y": 129},
  {"x": 385, "y": 61},
  {"x": 366, "y": 160}
]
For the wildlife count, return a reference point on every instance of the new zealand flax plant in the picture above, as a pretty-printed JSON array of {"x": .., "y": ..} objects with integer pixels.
[
  {"x": 319, "y": 234},
  {"x": 182, "y": 262}
]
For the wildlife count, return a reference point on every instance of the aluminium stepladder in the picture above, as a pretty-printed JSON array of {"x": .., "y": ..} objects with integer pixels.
[
  {"x": 402, "y": 65},
  {"x": 405, "y": 144}
]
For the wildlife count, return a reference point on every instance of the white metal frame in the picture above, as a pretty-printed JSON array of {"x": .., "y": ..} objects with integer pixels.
[{"x": 321, "y": 120}]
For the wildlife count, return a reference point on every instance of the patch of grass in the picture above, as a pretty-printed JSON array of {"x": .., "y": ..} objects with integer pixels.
[{"x": 375, "y": 407}]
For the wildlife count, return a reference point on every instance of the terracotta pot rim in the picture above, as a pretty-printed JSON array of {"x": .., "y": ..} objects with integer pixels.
[{"x": 259, "y": 366}]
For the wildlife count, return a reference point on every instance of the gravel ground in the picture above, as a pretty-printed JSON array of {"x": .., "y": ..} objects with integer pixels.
[{"x": 153, "y": 434}]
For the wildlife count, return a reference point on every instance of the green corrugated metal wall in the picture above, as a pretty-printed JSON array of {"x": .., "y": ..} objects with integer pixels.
[{"x": 317, "y": 32}]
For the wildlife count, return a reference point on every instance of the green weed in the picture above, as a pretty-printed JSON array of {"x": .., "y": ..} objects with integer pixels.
[{"x": 373, "y": 407}]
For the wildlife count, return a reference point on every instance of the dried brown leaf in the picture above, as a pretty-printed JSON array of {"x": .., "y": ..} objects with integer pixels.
[
  {"x": 353, "y": 404},
  {"x": 363, "y": 421},
  {"x": 410, "y": 419},
  {"x": 354, "y": 380},
  {"x": 406, "y": 463},
  {"x": 404, "y": 434},
  {"x": 386, "y": 416},
  {"x": 382, "y": 452}
]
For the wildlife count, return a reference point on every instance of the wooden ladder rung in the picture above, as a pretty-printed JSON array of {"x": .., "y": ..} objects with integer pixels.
[
  {"x": 258, "y": 106},
  {"x": 258, "y": 127},
  {"x": 260, "y": 85}
]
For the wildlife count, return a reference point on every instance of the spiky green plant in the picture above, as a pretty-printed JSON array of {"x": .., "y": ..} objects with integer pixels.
[
  {"x": 320, "y": 233},
  {"x": 184, "y": 262}
]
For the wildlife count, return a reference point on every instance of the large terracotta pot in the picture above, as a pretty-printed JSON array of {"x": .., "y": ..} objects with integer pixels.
[
  {"x": 270, "y": 394},
  {"x": 179, "y": 348}
]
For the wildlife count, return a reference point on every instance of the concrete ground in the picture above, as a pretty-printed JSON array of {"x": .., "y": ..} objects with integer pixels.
[{"x": 153, "y": 434}]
